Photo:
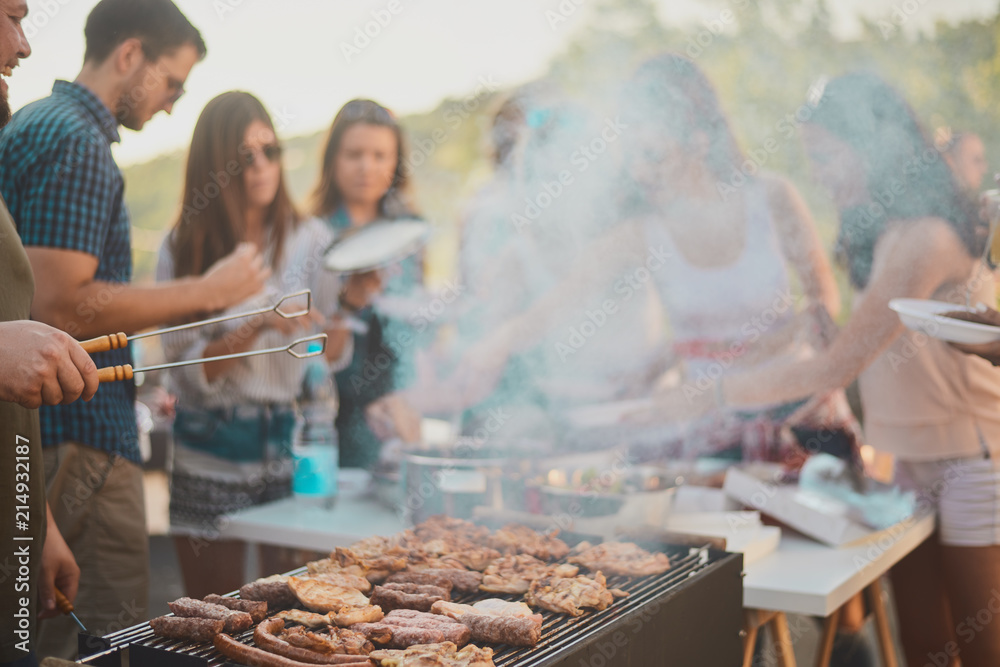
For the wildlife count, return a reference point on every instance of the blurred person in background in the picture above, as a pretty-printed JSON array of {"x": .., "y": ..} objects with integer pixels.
[
  {"x": 932, "y": 407},
  {"x": 723, "y": 268},
  {"x": 235, "y": 418},
  {"x": 362, "y": 180},
  {"x": 521, "y": 232},
  {"x": 965, "y": 155},
  {"x": 720, "y": 265},
  {"x": 66, "y": 195},
  {"x": 735, "y": 243}
]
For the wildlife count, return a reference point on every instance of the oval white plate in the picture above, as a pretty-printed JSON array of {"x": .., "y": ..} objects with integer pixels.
[
  {"x": 376, "y": 245},
  {"x": 926, "y": 316}
]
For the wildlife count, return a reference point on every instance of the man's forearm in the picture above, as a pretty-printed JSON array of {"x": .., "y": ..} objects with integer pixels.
[{"x": 100, "y": 307}]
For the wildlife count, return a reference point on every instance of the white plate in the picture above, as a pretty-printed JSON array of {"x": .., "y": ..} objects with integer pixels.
[
  {"x": 376, "y": 245},
  {"x": 926, "y": 316}
]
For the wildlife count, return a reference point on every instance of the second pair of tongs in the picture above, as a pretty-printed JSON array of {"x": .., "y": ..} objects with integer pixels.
[{"x": 126, "y": 372}]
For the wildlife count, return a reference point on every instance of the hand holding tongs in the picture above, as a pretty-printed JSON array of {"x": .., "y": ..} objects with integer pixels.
[{"x": 120, "y": 340}]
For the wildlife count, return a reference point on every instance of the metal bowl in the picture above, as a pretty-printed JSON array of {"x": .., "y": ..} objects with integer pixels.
[
  {"x": 455, "y": 480},
  {"x": 630, "y": 495}
]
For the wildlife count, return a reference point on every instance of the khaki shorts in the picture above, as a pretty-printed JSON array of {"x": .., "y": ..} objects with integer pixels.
[
  {"x": 97, "y": 502},
  {"x": 965, "y": 494}
]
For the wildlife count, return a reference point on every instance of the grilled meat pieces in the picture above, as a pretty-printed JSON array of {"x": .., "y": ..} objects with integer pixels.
[
  {"x": 351, "y": 642},
  {"x": 251, "y": 655},
  {"x": 373, "y": 567},
  {"x": 311, "y": 647},
  {"x": 234, "y": 621},
  {"x": 514, "y": 574},
  {"x": 186, "y": 629},
  {"x": 329, "y": 571},
  {"x": 511, "y": 630},
  {"x": 449, "y": 529},
  {"x": 256, "y": 609},
  {"x": 519, "y": 539},
  {"x": 461, "y": 581},
  {"x": 274, "y": 590},
  {"x": 488, "y": 607},
  {"x": 452, "y": 539},
  {"x": 337, "y": 640},
  {"x": 306, "y": 618},
  {"x": 346, "y": 617},
  {"x": 406, "y": 627},
  {"x": 623, "y": 558},
  {"x": 571, "y": 595},
  {"x": 408, "y": 596},
  {"x": 349, "y": 616},
  {"x": 496, "y": 620},
  {"x": 443, "y": 654},
  {"x": 322, "y": 597}
]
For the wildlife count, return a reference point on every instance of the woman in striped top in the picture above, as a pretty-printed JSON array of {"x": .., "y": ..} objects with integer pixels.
[{"x": 233, "y": 430}]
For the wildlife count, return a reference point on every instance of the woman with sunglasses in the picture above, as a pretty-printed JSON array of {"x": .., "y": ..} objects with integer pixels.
[
  {"x": 234, "y": 420},
  {"x": 363, "y": 179}
]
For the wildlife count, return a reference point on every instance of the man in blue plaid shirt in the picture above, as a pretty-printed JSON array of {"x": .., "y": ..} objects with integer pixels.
[{"x": 65, "y": 193}]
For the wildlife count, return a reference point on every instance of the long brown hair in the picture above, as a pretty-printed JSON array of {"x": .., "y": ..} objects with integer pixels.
[
  {"x": 673, "y": 92},
  {"x": 214, "y": 204},
  {"x": 327, "y": 198}
]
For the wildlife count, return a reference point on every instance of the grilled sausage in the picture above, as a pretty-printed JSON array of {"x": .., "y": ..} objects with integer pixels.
[
  {"x": 187, "y": 629},
  {"x": 236, "y": 621},
  {"x": 256, "y": 608},
  {"x": 513, "y": 630}
]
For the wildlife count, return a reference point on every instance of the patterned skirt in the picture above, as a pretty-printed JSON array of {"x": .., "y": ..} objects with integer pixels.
[{"x": 226, "y": 461}]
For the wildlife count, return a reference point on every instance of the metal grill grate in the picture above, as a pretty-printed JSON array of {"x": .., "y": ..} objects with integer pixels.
[{"x": 562, "y": 635}]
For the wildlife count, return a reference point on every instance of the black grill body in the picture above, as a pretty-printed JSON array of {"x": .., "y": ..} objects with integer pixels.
[{"x": 688, "y": 616}]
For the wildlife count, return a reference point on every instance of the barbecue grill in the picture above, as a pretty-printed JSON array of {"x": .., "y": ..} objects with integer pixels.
[{"x": 689, "y": 615}]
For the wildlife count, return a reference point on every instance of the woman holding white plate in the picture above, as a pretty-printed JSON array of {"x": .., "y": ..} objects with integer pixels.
[{"x": 907, "y": 231}]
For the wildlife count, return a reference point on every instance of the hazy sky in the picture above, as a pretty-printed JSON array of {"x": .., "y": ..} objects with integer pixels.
[{"x": 292, "y": 55}]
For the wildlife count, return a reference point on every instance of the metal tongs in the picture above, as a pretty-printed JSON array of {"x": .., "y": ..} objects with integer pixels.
[{"x": 126, "y": 372}]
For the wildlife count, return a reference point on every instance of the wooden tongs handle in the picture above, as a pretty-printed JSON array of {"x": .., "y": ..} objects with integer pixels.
[
  {"x": 114, "y": 373},
  {"x": 105, "y": 343}
]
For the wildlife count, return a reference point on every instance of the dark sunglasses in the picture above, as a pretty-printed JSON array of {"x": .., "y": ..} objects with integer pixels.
[
  {"x": 272, "y": 152},
  {"x": 178, "y": 89}
]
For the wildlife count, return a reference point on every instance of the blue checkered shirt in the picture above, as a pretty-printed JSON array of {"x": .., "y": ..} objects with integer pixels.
[{"x": 65, "y": 191}]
